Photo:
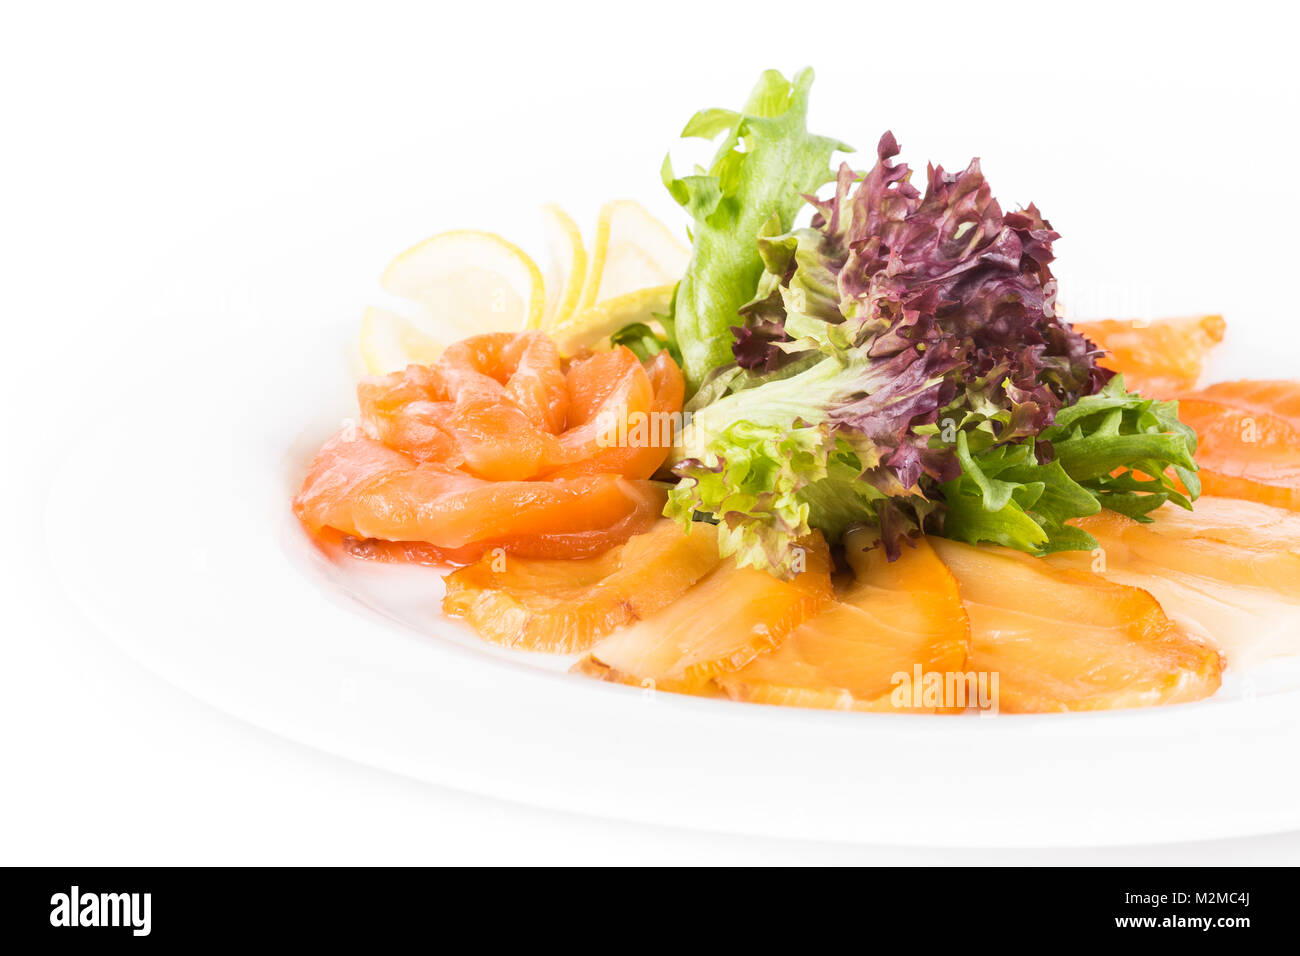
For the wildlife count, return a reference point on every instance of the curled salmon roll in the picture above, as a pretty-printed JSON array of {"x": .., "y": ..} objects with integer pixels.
[
  {"x": 361, "y": 488},
  {"x": 499, "y": 444}
]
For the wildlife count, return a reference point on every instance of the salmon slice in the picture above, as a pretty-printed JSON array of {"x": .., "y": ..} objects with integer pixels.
[
  {"x": 520, "y": 369},
  {"x": 1157, "y": 359},
  {"x": 491, "y": 406},
  {"x": 721, "y": 624},
  {"x": 1277, "y": 398},
  {"x": 638, "y": 446},
  {"x": 359, "y": 487},
  {"x": 1065, "y": 640},
  {"x": 408, "y": 411},
  {"x": 607, "y": 391},
  {"x": 499, "y": 407},
  {"x": 566, "y": 606},
  {"x": 895, "y": 617},
  {"x": 509, "y": 401},
  {"x": 1248, "y": 440},
  {"x": 1228, "y": 571},
  {"x": 496, "y": 445}
]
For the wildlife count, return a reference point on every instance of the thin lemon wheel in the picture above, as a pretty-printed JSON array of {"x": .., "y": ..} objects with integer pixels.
[
  {"x": 389, "y": 342},
  {"x": 632, "y": 250},
  {"x": 568, "y": 267},
  {"x": 469, "y": 283}
]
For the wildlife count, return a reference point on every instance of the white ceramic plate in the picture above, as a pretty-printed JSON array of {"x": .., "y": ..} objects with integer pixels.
[{"x": 171, "y": 529}]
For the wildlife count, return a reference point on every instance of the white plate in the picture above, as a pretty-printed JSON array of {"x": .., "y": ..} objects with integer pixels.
[{"x": 171, "y": 529}]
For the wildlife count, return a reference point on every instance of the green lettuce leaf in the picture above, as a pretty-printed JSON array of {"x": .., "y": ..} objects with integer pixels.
[
  {"x": 765, "y": 163},
  {"x": 1006, "y": 496},
  {"x": 1111, "y": 450}
]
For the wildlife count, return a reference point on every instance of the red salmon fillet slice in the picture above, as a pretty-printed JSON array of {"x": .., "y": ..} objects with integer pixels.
[
  {"x": 1158, "y": 359},
  {"x": 496, "y": 445},
  {"x": 1248, "y": 440},
  {"x": 361, "y": 488}
]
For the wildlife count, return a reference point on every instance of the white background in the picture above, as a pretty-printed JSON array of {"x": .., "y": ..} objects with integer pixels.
[{"x": 157, "y": 154}]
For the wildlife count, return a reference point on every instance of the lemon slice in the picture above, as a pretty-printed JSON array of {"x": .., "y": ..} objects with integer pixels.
[
  {"x": 592, "y": 326},
  {"x": 470, "y": 283},
  {"x": 389, "y": 342},
  {"x": 633, "y": 250},
  {"x": 568, "y": 269}
]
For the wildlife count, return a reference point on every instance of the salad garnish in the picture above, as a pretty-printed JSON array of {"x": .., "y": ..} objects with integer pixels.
[{"x": 896, "y": 364}]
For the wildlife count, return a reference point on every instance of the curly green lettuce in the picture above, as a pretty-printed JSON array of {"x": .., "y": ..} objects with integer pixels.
[
  {"x": 769, "y": 484},
  {"x": 765, "y": 163},
  {"x": 1111, "y": 450}
]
